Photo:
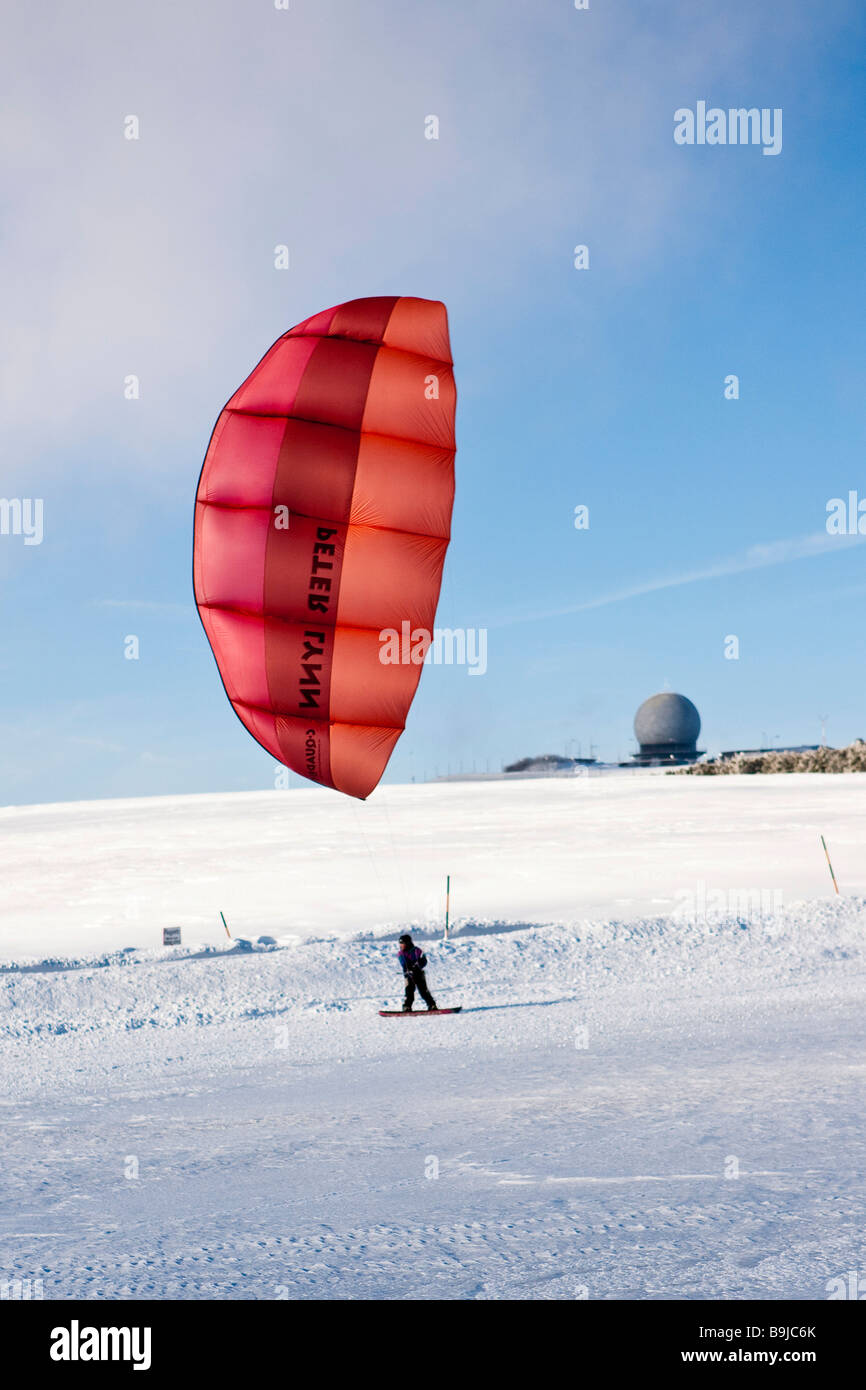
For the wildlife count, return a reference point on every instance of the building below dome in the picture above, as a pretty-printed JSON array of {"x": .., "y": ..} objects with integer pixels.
[
  {"x": 549, "y": 762},
  {"x": 667, "y": 727}
]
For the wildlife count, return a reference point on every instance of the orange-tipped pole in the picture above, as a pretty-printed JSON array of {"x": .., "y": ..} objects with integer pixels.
[{"x": 829, "y": 865}]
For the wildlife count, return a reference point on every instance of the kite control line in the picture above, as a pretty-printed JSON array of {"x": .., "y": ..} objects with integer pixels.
[
  {"x": 829, "y": 865},
  {"x": 226, "y": 925}
]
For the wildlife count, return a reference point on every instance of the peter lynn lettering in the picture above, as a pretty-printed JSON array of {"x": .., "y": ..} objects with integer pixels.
[
  {"x": 311, "y": 680},
  {"x": 319, "y": 597},
  {"x": 76, "y": 1343},
  {"x": 22, "y": 516},
  {"x": 736, "y": 126}
]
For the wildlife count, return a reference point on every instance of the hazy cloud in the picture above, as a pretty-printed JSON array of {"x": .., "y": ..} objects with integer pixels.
[{"x": 758, "y": 556}]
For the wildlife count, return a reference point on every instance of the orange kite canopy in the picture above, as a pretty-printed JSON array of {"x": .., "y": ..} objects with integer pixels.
[{"x": 322, "y": 518}]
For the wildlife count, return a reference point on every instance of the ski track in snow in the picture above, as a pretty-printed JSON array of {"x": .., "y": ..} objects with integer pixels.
[{"x": 567, "y": 1136}]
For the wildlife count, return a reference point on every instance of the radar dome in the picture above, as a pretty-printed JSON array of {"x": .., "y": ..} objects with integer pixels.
[{"x": 667, "y": 726}]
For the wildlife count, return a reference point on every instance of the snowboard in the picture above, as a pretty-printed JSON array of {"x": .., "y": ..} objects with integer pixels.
[{"x": 417, "y": 1013}]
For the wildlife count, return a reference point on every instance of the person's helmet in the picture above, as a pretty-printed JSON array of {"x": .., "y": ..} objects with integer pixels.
[{"x": 405, "y": 939}]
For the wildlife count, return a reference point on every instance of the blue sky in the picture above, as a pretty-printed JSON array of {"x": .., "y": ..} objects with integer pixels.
[{"x": 602, "y": 387}]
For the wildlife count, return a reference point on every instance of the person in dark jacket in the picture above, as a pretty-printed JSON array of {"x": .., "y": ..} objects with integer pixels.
[{"x": 412, "y": 962}]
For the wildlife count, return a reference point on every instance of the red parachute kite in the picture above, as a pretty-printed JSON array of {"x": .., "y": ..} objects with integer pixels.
[{"x": 322, "y": 519}]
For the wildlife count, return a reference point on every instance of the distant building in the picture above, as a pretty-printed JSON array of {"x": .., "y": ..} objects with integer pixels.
[
  {"x": 667, "y": 727},
  {"x": 546, "y": 765},
  {"x": 548, "y": 762},
  {"x": 754, "y": 752}
]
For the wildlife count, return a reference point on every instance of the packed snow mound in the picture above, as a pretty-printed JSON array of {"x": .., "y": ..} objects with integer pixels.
[
  {"x": 318, "y": 999},
  {"x": 92, "y": 878}
]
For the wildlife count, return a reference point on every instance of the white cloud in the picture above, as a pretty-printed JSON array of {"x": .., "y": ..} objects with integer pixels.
[{"x": 258, "y": 126}]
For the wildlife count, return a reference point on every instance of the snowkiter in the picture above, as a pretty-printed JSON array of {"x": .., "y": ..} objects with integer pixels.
[{"x": 412, "y": 962}]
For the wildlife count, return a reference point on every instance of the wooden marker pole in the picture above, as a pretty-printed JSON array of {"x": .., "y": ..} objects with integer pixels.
[
  {"x": 226, "y": 925},
  {"x": 447, "y": 903},
  {"x": 829, "y": 865}
]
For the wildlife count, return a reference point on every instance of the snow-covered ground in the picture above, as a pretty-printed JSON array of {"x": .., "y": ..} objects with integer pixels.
[
  {"x": 100, "y": 875},
  {"x": 655, "y": 1089}
]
